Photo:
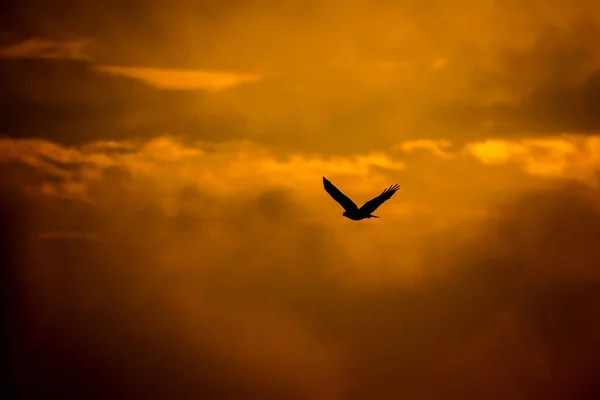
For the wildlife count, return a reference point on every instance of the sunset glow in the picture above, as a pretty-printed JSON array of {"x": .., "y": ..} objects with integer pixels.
[{"x": 166, "y": 234}]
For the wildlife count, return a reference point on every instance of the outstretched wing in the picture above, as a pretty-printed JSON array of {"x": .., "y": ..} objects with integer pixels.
[
  {"x": 338, "y": 196},
  {"x": 372, "y": 204}
]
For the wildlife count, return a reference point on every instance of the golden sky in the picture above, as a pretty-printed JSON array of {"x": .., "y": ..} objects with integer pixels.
[{"x": 166, "y": 233}]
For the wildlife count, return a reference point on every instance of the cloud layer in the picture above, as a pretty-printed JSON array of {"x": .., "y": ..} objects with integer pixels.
[
  {"x": 148, "y": 255},
  {"x": 329, "y": 77}
]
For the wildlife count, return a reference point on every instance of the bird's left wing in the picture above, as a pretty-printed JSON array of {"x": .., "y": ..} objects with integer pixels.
[
  {"x": 372, "y": 204},
  {"x": 338, "y": 196}
]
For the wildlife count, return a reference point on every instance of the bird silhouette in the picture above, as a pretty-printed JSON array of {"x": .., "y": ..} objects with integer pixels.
[{"x": 351, "y": 211}]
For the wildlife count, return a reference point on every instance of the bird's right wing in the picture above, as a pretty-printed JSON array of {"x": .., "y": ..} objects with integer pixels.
[
  {"x": 373, "y": 204},
  {"x": 338, "y": 196}
]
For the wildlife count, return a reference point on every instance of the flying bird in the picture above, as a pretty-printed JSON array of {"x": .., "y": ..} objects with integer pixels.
[{"x": 351, "y": 211}]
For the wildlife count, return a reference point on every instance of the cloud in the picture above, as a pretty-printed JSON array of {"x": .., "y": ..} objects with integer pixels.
[
  {"x": 68, "y": 102},
  {"x": 500, "y": 82},
  {"x": 38, "y": 48},
  {"x": 569, "y": 156},
  {"x": 41, "y": 152},
  {"x": 492, "y": 293},
  {"x": 546, "y": 85},
  {"x": 242, "y": 349},
  {"x": 224, "y": 168},
  {"x": 245, "y": 295},
  {"x": 181, "y": 79},
  {"x": 436, "y": 147},
  {"x": 227, "y": 167},
  {"x": 300, "y": 100}
]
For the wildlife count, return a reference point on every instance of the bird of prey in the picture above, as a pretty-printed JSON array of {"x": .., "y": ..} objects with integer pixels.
[{"x": 351, "y": 211}]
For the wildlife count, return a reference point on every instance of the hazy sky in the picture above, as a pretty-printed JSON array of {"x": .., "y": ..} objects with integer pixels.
[{"x": 167, "y": 235}]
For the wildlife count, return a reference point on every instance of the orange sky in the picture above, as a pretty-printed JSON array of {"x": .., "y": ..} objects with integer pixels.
[{"x": 167, "y": 234}]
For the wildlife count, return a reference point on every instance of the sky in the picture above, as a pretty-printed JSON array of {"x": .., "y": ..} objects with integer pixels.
[{"x": 166, "y": 233}]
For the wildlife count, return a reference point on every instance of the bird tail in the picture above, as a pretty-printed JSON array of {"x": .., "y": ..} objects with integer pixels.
[{"x": 373, "y": 216}]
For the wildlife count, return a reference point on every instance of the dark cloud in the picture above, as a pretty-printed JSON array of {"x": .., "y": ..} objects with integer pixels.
[
  {"x": 554, "y": 107},
  {"x": 361, "y": 72},
  {"x": 124, "y": 30},
  {"x": 534, "y": 269},
  {"x": 92, "y": 324},
  {"x": 561, "y": 76},
  {"x": 68, "y": 103},
  {"x": 507, "y": 311},
  {"x": 555, "y": 86}
]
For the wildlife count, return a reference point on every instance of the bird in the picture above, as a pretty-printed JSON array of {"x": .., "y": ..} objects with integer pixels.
[{"x": 351, "y": 211}]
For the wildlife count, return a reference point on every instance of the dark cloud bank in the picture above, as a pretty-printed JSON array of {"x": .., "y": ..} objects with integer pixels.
[
  {"x": 512, "y": 313},
  {"x": 69, "y": 103},
  {"x": 552, "y": 85},
  {"x": 554, "y": 82}
]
